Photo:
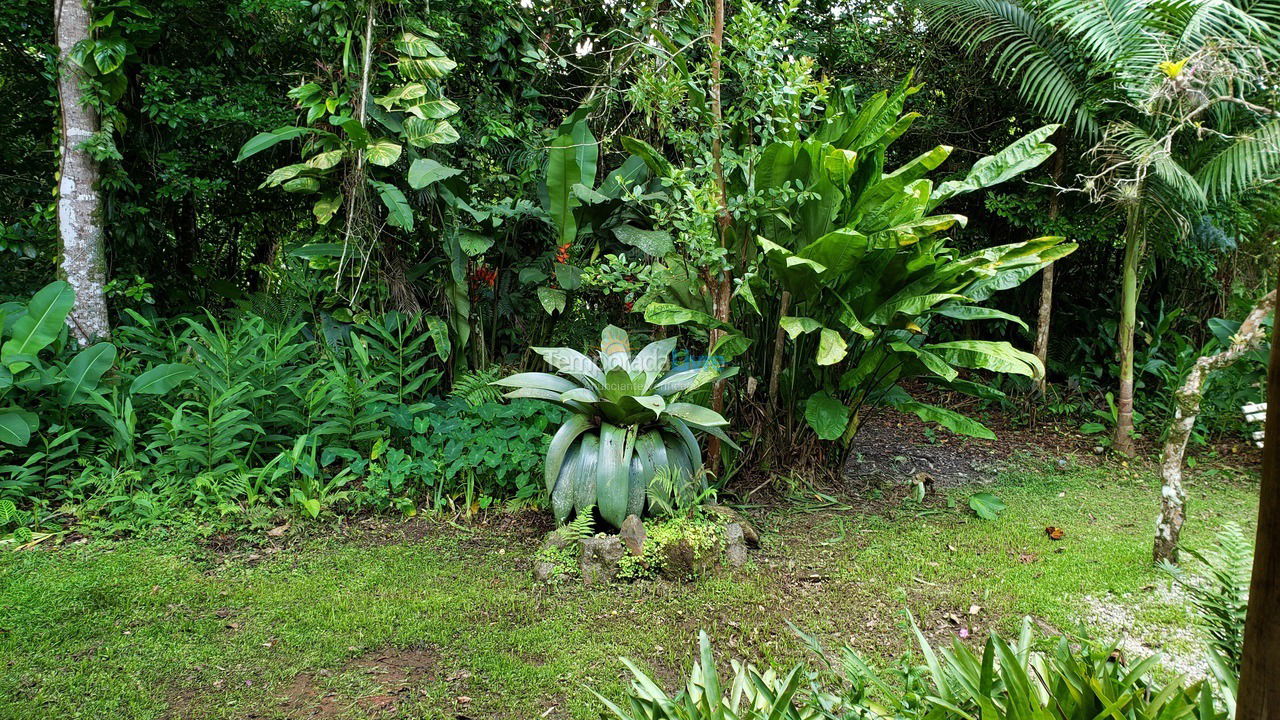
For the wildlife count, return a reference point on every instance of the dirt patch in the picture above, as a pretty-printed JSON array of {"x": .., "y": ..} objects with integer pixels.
[
  {"x": 397, "y": 674},
  {"x": 895, "y": 447}
]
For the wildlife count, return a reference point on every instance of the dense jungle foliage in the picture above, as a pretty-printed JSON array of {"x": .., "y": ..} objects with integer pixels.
[{"x": 329, "y": 225}]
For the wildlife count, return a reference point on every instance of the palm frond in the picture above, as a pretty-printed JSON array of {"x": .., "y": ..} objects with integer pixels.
[
  {"x": 1023, "y": 50},
  {"x": 1249, "y": 161}
]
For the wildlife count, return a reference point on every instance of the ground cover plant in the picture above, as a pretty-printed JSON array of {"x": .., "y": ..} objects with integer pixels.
[{"x": 446, "y": 621}]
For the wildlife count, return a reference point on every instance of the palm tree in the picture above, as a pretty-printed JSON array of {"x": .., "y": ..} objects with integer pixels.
[{"x": 1170, "y": 93}]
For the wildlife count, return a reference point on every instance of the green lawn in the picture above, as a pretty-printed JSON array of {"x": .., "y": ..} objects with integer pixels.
[{"x": 349, "y": 624}]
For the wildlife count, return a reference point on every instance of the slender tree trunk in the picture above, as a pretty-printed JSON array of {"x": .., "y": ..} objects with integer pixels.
[
  {"x": 779, "y": 338},
  {"x": 1046, "y": 287},
  {"x": 1259, "y": 696},
  {"x": 1188, "y": 399},
  {"x": 721, "y": 287},
  {"x": 79, "y": 204},
  {"x": 1133, "y": 248}
]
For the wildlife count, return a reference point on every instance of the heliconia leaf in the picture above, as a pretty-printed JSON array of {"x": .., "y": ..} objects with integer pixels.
[
  {"x": 14, "y": 429},
  {"x": 935, "y": 364},
  {"x": 86, "y": 369},
  {"x": 975, "y": 312},
  {"x": 909, "y": 305},
  {"x": 41, "y": 324},
  {"x": 988, "y": 355},
  {"x": 1025, "y": 153},
  {"x": 399, "y": 213},
  {"x": 161, "y": 379},
  {"x": 565, "y": 437},
  {"x": 949, "y": 419}
]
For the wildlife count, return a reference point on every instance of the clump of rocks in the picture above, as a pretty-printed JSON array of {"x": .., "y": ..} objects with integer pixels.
[{"x": 682, "y": 548}]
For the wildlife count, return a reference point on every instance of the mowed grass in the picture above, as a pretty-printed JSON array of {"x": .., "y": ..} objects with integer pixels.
[{"x": 312, "y": 625}]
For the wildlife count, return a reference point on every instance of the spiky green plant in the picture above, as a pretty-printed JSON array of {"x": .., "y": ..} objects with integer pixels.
[{"x": 626, "y": 425}]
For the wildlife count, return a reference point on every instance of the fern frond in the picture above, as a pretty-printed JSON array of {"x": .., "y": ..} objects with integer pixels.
[
  {"x": 580, "y": 527},
  {"x": 476, "y": 387}
]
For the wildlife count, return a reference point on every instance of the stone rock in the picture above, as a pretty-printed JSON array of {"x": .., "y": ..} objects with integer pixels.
[
  {"x": 632, "y": 535},
  {"x": 600, "y": 559},
  {"x": 544, "y": 570},
  {"x": 554, "y": 540},
  {"x": 735, "y": 544},
  {"x": 681, "y": 560},
  {"x": 733, "y": 516}
]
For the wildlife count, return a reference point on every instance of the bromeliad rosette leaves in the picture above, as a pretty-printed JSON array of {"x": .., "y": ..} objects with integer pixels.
[{"x": 626, "y": 425}]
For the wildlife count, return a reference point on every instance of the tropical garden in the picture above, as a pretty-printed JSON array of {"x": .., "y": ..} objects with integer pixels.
[{"x": 701, "y": 359}]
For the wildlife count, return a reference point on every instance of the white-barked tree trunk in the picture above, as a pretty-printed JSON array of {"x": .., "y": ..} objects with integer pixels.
[
  {"x": 79, "y": 202},
  {"x": 1173, "y": 496}
]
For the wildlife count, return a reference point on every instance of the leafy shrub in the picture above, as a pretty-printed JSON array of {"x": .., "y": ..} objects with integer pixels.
[
  {"x": 1007, "y": 681},
  {"x": 489, "y": 451},
  {"x": 1221, "y": 600}
]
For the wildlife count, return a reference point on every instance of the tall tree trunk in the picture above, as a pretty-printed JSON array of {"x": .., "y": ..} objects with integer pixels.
[
  {"x": 775, "y": 367},
  {"x": 1046, "y": 287},
  {"x": 1133, "y": 248},
  {"x": 720, "y": 288},
  {"x": 1259, "y": 696},
  {"x": 79, "y": 204},
  {"x": 1188, "y": 398}
]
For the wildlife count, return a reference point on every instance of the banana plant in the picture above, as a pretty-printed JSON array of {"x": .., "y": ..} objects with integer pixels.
[
  {"x": 862, "y": 256},
  {"x": 627, "y": 426},
  {"x": 28, "y": 330}
]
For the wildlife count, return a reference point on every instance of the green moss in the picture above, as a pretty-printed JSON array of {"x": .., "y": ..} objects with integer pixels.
[
  {"x": 564, "y": 562},
  {"x": 680, "y": 548}
]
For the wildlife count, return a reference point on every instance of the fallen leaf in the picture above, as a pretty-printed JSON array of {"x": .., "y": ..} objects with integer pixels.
[
  {"x": 975, "y": 609},
  {"x": 1054, "y": 533}
]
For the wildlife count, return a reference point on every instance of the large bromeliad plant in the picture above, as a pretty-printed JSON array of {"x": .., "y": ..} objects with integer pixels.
[{"x": 629, "y": 441}]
